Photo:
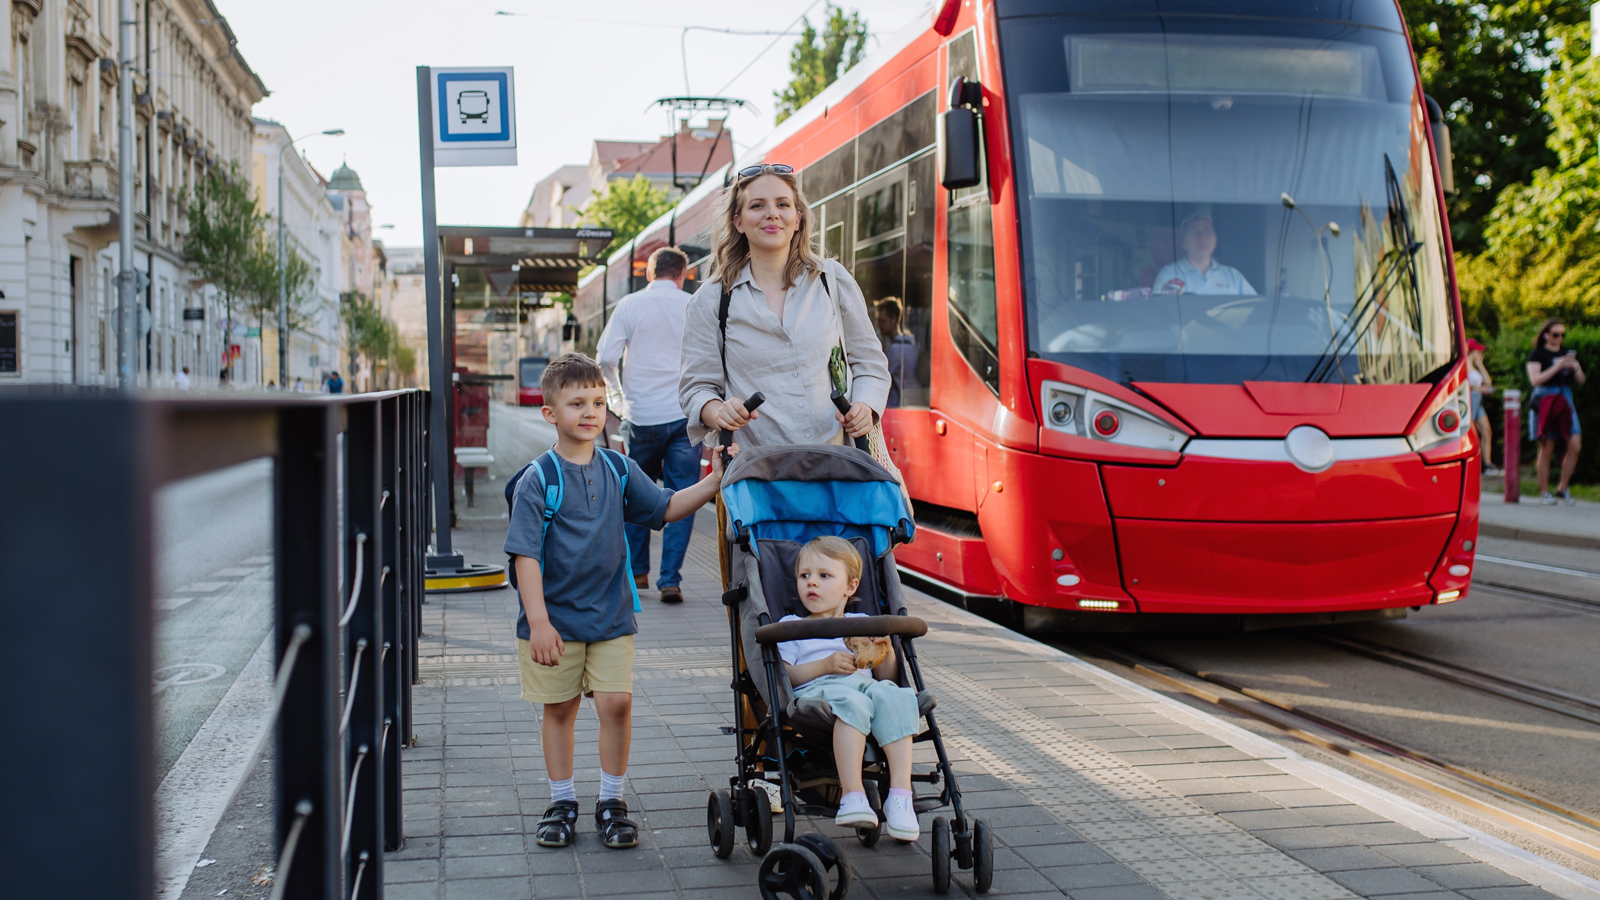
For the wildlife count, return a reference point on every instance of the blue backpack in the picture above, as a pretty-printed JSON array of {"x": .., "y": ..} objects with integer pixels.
[{"x": 547, "y": 468}]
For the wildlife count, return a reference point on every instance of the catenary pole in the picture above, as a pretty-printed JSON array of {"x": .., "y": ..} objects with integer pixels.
[
  {"x": 283, "y": 280},
  {"x": 438, "y": 383},
  {"x": 127, "y": 173}
]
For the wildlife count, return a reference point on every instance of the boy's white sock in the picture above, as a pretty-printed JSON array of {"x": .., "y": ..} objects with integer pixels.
[
  {"x": 562, "y": 790},
  {"x": 610, "y": 785}
]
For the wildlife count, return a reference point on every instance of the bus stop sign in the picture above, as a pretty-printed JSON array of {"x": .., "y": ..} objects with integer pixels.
[{"x": 474, "y": 117}]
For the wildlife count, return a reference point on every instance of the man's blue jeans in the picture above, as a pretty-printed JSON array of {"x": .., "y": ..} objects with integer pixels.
[{"x": 663, "y": 452}]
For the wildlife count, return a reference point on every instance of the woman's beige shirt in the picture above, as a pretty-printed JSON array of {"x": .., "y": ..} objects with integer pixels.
[{"x": 787, "y": 361}]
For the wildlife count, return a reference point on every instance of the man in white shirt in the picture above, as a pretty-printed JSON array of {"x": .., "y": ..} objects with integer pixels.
[
  {"x": 645, "y": 338},
  {"x": 182, "y": 379},
  {"x": 1197, "y": 272}
]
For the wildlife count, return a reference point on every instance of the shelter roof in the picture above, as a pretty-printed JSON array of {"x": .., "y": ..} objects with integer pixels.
[{"x": 529, "y": 259}]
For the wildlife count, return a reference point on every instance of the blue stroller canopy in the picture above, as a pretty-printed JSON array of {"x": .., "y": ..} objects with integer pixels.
[{"x": 799, "y": 491}]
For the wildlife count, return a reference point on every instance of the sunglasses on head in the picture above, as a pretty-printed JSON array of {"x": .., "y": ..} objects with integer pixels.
[{"x": 774, "y": 169}]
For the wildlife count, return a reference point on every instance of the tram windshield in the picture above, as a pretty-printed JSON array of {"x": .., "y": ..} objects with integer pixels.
[{"x": 1215, "y": 200}]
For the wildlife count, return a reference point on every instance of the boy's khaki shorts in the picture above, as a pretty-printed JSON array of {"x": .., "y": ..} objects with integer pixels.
[{"x": 583, "y": 669}]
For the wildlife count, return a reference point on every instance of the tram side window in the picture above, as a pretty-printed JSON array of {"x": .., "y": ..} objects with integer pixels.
[
  {"x": 916, "y": 325},
  {"x": 974, "y": 327},
  {"x": 830, "y": 174}
]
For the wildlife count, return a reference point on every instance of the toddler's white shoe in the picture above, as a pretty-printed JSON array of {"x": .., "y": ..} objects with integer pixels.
[
  {"x": 901, "y": 818},
  {"x": 855, "y": 811}
]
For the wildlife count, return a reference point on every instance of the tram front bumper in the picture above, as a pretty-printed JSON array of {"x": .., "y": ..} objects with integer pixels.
[{"x": 1279, "y": 567}]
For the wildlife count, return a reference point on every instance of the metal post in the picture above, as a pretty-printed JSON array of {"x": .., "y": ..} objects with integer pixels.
[
  {"x": 447, "y": 464},
  {"x": 438, "y": 374},
  {"x": 283, "y": 281},
  {"x": 66, "y": 789},
  {"x": 390, "y": 522},
  {"x": 365, "y": 651},
  {"x": 306, "y": 608},
  {"x": 1512, "y": 456},
  {"x": 127, "y": 173}
]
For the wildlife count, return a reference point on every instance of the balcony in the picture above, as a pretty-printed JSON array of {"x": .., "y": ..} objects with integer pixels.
[{"x": 93, "y": 179}]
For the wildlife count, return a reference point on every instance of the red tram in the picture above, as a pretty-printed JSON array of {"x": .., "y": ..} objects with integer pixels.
[{"x": 1169, "y": 293}]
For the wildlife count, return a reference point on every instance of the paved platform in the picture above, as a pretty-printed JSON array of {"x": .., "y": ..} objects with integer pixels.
[
  {"x": 1095, "y": 787},
  {"x": 1574, "y": 526}
]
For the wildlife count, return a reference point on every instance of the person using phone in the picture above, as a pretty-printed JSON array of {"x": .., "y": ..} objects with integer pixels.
[{"x": 1553, "y": 415}]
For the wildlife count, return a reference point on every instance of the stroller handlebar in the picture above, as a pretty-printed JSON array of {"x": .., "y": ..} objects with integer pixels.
[{"x": 842, "y": 626}]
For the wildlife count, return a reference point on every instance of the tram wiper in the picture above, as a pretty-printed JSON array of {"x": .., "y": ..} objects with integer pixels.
[{"x": 1398, "y": 262}]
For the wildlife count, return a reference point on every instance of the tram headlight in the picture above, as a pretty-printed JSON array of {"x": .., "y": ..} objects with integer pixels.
[
  {"x": 1086, "y": 413},
  {"x": 1445, "y": 420}
]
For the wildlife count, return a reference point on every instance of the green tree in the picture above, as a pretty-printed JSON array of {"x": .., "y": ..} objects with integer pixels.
[
  {"x": 368, "y": 333},
  {"x": 1542, "y": 238},
  {"x": 626, "y": 208},
  {"x": 260, "y": 293},
  {"x": 224, "y": 233},
  {"x": 818, "y": 60},
  {"x": 1486, "y": 64}
]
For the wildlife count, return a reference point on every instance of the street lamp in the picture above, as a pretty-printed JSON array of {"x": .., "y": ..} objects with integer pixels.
[{"x": 283, "y": 263}]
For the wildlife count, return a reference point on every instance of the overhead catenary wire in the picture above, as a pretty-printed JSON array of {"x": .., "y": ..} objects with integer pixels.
[{"x": 767, "y": 48}]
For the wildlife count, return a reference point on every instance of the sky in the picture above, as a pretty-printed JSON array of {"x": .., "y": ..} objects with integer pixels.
[{"x": 583, "y": 71}]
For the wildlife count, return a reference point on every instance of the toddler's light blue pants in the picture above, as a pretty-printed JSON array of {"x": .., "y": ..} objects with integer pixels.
[{"x": 882, "y": 709}]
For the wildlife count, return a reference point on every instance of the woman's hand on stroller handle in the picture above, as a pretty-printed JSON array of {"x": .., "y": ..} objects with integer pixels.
[
  {"x": 855, "y": 417},
  {"x": 731, "y": 415}
]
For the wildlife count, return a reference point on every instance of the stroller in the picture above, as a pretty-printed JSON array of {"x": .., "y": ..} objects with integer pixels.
[{"x": 773, "y": 500}]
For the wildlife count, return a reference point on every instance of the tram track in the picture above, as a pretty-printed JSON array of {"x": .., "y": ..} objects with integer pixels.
[
  {"x": 1554, "y": 824},
  {"x": 1504, "y": 687}
]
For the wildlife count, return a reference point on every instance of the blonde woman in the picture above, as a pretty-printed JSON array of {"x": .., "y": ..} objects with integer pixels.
[{"x": 783, "y": 322}]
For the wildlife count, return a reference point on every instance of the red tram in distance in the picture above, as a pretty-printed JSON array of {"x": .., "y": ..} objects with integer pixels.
[{"x": 1169, "y": 297}]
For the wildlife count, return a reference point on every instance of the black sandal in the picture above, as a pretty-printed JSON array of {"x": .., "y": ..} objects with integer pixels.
[
  {"x": 559, "y": 824},
  {"x": 617, "y": 831}
]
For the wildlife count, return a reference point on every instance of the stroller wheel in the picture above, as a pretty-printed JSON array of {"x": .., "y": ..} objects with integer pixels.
[
  {"x": 794, "y": 872},
  {"x": 719, "y": 823},
  {"x": 755, "y": 809},
  {"x": 941, "y": 855},
  {"x": 982, "y": 856},
  {"x": 832, "y": 859}
]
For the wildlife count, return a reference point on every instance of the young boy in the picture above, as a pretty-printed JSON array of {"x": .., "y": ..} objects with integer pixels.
[{"x": 575, "y": 630}]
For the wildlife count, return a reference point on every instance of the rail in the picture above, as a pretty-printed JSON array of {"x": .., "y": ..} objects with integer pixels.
[{"x": 80, "y": 469}]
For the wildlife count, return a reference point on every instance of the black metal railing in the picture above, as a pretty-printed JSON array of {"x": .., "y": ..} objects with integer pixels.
[{"x": 78, "y": 469}]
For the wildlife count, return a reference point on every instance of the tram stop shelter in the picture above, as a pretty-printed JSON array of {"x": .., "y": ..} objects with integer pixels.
[{"x": 490, "y": 280}]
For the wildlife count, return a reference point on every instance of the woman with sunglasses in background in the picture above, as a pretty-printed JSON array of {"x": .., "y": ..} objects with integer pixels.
[
  {"x": 1553, "y": 413},
  {"x": 787, "y": 311}
]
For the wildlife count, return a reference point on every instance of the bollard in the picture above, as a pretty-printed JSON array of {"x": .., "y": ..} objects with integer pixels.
[{"x": 1513, "y": 451}]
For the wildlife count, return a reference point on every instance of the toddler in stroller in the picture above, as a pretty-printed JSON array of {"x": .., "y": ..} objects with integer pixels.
[
  {"x": 775, "y": 501},
  {"x": 827, "y": 574}
]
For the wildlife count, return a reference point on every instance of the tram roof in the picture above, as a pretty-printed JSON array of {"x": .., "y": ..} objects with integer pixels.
[{"x": 546, "y": 259}]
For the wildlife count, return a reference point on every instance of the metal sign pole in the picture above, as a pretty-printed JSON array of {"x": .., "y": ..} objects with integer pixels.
[{"x": 438, "y": 375}]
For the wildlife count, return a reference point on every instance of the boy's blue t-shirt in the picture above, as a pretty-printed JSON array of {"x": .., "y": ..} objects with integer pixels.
[{"x": 586, "y": 567}]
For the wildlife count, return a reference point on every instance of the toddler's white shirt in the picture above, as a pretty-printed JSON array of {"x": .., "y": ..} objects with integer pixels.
[{"x": 798, "y": 653}]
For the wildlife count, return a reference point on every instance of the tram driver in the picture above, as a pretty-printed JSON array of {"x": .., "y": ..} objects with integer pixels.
[{"x": 1197, "y": 272}]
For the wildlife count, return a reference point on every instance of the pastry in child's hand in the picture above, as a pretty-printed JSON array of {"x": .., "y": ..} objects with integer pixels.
[{"x": 868, "y": 652}]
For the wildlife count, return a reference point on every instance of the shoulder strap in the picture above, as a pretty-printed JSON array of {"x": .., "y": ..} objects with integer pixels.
[
  {"x": 548, "y": 470},
  {"x": 722, "y": 332},
  {"x": 618, "y": 464},
  {"x": 838, "y": 311}
]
